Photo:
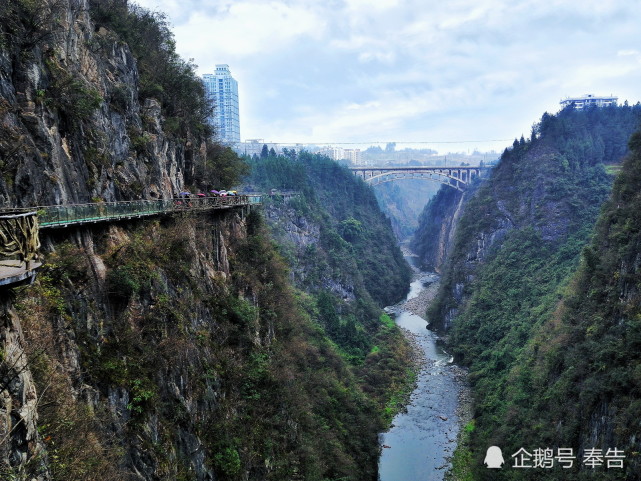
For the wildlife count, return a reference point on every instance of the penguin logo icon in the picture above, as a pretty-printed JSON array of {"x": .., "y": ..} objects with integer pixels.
[{"x": 494, "y": 457}]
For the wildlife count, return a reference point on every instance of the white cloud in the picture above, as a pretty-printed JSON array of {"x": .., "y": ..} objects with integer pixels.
[
  {"x": 625, "y": 53},
  {"x": 357, "y": 5},
  {"x": 397, "y": 69},
  {"x": 250, "y": 28}
]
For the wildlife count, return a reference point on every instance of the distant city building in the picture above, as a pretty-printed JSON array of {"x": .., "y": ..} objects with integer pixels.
[
  {"x": 589, "y": 99},
  {"x": 223, "y": 90},
  {"x": 354, "y": 156},
  {"x": 252, "y": 147},
  {"x": 334, "y": 153},
  {"x": 255, "y": 147}
]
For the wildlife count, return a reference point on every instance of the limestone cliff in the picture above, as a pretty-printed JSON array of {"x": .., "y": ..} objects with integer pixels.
[
  {"x": 175, "y": 349},
  {"x": 333, "y": 231},
  {"x": 73, "y": 126},
  {"x": 171, "y": 348},
  {"x": 344, "y": 257},
  {"x": 587, "y": 355},
  {"x": 547, "y": 185},
  {"x": 516, "y": 247},
  {"x": 20, "y": 441},
  {"x": 437, "y": 226}
]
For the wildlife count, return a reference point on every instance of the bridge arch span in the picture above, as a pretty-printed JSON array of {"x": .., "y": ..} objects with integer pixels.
[
  {"x": 455, "y": 177},
  {"x": 392, "y": 177}
]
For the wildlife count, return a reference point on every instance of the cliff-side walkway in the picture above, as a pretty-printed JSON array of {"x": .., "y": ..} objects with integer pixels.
[{"x": 19, "y": 227}]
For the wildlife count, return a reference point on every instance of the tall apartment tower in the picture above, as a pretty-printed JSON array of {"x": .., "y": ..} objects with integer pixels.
[{"x": 223, "y": 89}]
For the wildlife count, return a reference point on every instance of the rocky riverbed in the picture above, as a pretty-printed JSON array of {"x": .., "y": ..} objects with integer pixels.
[{"x": 427, "y": 431}]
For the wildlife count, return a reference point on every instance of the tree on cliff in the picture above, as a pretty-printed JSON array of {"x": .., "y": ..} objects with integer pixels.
[
  {"x": 221, "y": 168},
  {"x": 164, "y": 75}
]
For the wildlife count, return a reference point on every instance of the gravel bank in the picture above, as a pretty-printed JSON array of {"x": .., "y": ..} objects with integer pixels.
[{"x": 418, "y": 305}]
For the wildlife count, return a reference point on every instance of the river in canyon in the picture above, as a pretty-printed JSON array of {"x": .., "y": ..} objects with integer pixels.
[{"x": 423, "y": 436}]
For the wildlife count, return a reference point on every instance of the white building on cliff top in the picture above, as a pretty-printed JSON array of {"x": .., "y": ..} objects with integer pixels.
[{"x": 589, "y": 99}]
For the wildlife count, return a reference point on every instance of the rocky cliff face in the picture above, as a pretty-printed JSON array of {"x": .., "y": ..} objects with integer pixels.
[
  {"x": 72, "y": 127},
  {"x": 437, "y": 226},
  {"x": 171, "y": 348},
  {"x": 106, "y": 339},
  {"x": 300, "y": 238},
  {"x": 174, "y": 349},
  {"x": 20, "y": 442},
  {"x": 587, "y": 354},
  {"x": 546, "y": 185},
  {"x": 535, "y": 188},
  {"x": 345, "y": 264},
  {"x": 516, "y": 246},
  {"x": 334, "y": 231}
]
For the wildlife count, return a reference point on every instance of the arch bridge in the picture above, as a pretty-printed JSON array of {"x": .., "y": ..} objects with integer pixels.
[{"x": 455, "y": 177}]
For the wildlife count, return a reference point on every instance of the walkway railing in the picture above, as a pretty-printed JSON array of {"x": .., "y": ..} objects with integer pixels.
[
  {"x": 19, "y": 244},
  {"x": 19, "y": 241},
  {"x": 64, "y": 215}
]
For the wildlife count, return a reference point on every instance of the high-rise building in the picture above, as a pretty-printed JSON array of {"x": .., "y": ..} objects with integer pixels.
[{"x": 222, "y": 88}]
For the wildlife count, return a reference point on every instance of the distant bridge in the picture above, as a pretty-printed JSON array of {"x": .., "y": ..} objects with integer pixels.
[{"x": 455, "y": 177}]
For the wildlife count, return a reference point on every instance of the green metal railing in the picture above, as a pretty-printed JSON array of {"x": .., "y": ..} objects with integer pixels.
[
  {"x": 63, "y": 215},
  {"x": 19, "y": 241}
]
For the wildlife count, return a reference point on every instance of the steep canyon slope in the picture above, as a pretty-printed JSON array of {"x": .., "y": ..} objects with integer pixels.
[
  {"x": 515, "y": 249},
  {"x": 343, "y": 253},
  {"x": 172, "y": 348}
]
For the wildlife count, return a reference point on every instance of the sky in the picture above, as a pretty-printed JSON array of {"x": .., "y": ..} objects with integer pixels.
[{"x": 454, "y": 75}]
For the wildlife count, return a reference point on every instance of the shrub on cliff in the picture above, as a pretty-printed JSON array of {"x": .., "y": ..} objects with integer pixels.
[{"x": 164, "y": 75}]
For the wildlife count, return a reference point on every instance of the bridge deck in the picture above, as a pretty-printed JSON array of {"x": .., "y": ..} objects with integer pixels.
[
  {"x": 456, "y": 177},
  {"x": 418, "y": 167}
]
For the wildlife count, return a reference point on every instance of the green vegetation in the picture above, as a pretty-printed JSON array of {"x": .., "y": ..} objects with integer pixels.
[
  {"x": 173, "y": 82},
  {"x": 438, "y": 213},
  {"x": 73, "y": 97},
  {"x": 587, "y": 354},
  {"x": 177, "y": 348},
  {"x": 238, "y": 360},
  {"x": 129, "y": 68},
  {"x": 222, "y": 168},
  {"x": 462, "y": 460},
  {"x": 27, "y": 23},
  {"x": 164, "y": 75},
  {"x": 517, "y": 245},
  {"x": 344, "y": 256},
  {"x": 356, "y": 244}
]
